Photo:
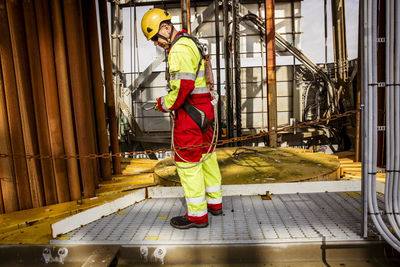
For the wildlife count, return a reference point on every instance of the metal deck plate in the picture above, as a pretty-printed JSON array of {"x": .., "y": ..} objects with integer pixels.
[{"x": 247, "y": 219}]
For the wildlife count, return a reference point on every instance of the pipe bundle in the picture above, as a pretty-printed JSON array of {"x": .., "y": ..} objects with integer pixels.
[
  {"x": 51, "y": 103},
  {"x": 369, "y": 119}
]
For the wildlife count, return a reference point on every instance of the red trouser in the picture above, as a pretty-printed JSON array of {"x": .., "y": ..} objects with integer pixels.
[{"x": 187, "y": 132}]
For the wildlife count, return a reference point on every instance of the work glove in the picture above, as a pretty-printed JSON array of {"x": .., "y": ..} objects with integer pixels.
[{"x": 156, "y": 108}]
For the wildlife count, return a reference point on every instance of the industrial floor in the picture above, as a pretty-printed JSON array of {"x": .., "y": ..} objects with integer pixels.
[{"x": 305, "y": 217}]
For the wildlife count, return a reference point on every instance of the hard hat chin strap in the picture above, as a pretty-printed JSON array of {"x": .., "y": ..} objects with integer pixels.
[{"x": 169, "y": 39}]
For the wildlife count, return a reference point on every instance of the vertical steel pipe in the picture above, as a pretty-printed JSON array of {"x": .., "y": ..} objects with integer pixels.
[
  {"x": 271, "y": 69},
  {"x": 42, "y": 125},
  {"x": 97, "y": 81},
  {"x": 116, "y": 54},
  {"x": 363, "y": 73},
  {"x": 389, "y": 99},
  {"x": 13, "y": 112},
  {"x": 236, "y": 66},
  {"x": 228, "y": 73},
  {"x": 185, "y": 15},
  {"x": 24, "y": 91},
  {"x": 80, "y": 91},
  {"x": 110, "y": 96},
  {"x": 339, "y": 42},
  {"x": 51, "y": 94},
  {"x": 396, "y": 141},
  {"x": 7, "y": 177},
  {"x": 218, "y": 62},
  {"x": 64, "y": 96}
]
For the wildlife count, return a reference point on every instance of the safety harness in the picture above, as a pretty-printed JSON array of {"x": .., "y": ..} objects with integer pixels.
[{"x": 196, "y": 114}]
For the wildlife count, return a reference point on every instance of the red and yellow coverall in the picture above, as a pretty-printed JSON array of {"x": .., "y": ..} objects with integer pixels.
[{"x": 202, "y": 183}]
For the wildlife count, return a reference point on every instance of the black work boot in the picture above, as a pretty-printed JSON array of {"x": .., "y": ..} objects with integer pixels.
[
  {"x": 181, "y": 222},
  {"x": 215, "y": 212}
]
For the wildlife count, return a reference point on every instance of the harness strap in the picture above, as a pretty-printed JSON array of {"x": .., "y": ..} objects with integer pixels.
[{"x": 198, "y": 116}]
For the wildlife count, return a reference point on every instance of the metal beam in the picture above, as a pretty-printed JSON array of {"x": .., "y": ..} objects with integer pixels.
[
  {"x": 236, "y": 67},
  {"x": 228, "y": 73},
  {"x": 185, "y": 15}
]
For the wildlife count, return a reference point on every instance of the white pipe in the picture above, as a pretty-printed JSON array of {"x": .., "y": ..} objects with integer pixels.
[
  {"x": 364, "y": 118},
  {"x": 396, "y": 144},
  {"x": 389, "y": 37},
  {"x": 371, "y": 108}
]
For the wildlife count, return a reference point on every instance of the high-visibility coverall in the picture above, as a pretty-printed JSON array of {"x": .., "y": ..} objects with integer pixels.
[{"x": 202, "y": 183}]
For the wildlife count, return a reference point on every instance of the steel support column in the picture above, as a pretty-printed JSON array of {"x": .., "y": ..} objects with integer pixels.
[
  {"x": 185, "y": 15},
  {"x": 218, "y": 62},
  {"x": 110, "y": 96},
  {"x": 271, "y": 69},
  {"x": 339, "y": 43},
  {"x": 117, "y": 55},
  {"x": 236, "y": 66},
  {"x": 64, "y": 96},
  {"x": 228, "y": 73}
]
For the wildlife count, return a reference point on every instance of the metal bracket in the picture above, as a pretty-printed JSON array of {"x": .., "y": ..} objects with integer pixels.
[
  {"x": 61, "y": 255},
  {"x": 381, "y": 84},
  {"x": 380, "y": 170},
  {"x": 159, "y": 254},
  {"x": 381, "y": 40},
  {"x": 381, "y": 128}
]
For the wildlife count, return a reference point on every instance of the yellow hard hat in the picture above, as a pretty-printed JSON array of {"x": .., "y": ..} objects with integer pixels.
[{"x": 151, "y": 21}]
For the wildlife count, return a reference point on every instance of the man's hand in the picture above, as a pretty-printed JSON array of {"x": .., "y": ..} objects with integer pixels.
[{"x": 156, "y": 108}]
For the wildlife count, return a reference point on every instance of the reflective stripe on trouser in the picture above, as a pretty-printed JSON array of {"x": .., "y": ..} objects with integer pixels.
[{"x": 195, "y": 182}]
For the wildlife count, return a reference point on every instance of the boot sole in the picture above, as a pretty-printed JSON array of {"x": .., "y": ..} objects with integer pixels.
[
  {"x": 192, "y": 225},
  {"x": 215, "y": 212}
]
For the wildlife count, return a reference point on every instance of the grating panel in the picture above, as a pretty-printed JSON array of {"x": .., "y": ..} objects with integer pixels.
[{"x": 247, "y": 219}]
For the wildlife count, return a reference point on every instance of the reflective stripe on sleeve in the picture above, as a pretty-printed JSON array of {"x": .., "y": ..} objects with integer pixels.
[
  {"x": 197, "y": 213},
  {"x": 200, "y": 90},
  {"x": 183, "y": 75},
  {"x": 214, "y": 201},
  {"x": 196, "y": 200},
  {"x": 163, "y": 105},
  {"x": 213, "y": 189}
]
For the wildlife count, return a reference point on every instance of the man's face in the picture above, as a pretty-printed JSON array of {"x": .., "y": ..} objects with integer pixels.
[{"x": 165, "y": 31}]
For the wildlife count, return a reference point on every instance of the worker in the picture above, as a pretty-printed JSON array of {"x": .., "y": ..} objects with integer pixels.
[{"x": 189, "y": 96}]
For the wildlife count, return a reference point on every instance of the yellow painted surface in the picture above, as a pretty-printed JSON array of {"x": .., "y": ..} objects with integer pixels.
[
  {"x": 351, "y": 170},
  {"x": 33, "y": 226},
  {"x": 268, "y": 165},
  {"x": 104, "y": 191},
  {"x": 14, "y": 230}
]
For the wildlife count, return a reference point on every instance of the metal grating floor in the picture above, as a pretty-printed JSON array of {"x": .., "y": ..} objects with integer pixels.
[{"x": 246, "y": 219}]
